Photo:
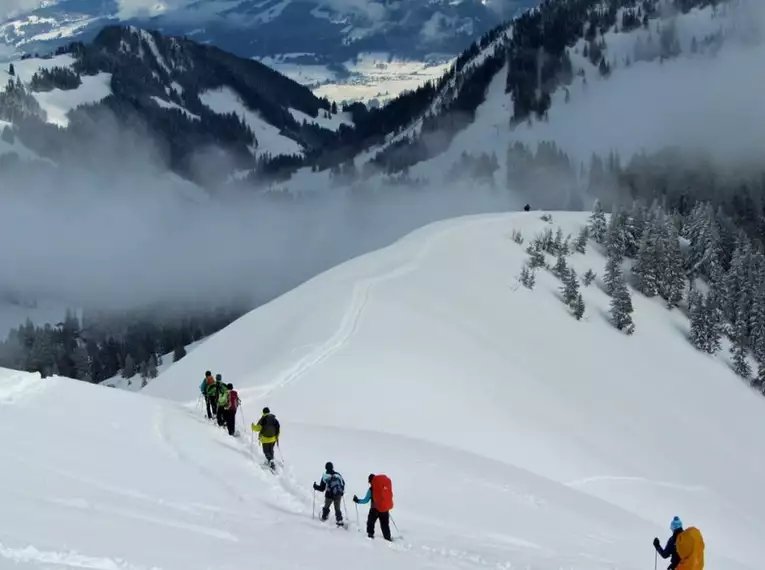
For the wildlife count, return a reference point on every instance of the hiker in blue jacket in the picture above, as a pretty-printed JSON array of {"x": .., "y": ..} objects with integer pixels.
[
  {"x": 670, "y": 551},
  {"x": 333, "y": 486}
]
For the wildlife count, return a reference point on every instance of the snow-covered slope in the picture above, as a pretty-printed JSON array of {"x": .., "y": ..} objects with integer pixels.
[
  {"x": 515, "y": 436},
  {"x": 647, "y": 102},
  {"x": 430, "y": 346}
]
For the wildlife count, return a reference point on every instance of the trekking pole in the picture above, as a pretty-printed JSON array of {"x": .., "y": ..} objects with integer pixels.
[
  {"x": 199, "y": 401},
  {"x": 396, "y": 526},
  {"x": 313, "y": 508},
  {"x": 345, "y": 508},
  {"x": 358, "y": 521},
  {"x": 655, "y": 559},
  {"x": 279, "y": 447}
]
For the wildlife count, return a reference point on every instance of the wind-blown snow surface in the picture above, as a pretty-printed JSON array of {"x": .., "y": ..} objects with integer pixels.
[{"x": 516, "y": 437}]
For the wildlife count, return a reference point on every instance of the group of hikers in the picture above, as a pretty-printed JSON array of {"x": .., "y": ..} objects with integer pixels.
[
  {"x": 222, "y": 403},
  {"x": 685, "y": 548}
]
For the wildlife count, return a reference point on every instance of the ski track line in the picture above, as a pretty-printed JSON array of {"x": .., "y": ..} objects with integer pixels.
[
  {"x": 353, "y": 314},
  {"x": 629, "y": 479},
  {"x": 209, "y": 532},
  {"x": 160, "y": 428},
  {"x": 31, "y": 555}
]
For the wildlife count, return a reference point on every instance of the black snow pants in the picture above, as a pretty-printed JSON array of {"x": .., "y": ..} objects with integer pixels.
[
  {"x": 230, "y": 416},
  {"x": 268, "y": 451},
  {"x": 221, "y": 415},
  {"x": 212, "y": 406},
  {"x": 384, "y": 518},
  {"x": 330, "y": 501}
]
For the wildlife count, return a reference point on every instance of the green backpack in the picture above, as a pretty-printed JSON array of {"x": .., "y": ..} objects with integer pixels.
[{"x": 223, "y": 397}]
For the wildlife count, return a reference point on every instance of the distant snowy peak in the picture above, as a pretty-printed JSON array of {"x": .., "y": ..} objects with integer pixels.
[{"x": 331, "y": 31}]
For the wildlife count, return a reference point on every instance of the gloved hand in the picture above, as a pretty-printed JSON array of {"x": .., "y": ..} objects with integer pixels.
[
  {"x": 315, "y": 487},
  {"x": 355, "y": 499},
  {"x": 656, "y": 543}
]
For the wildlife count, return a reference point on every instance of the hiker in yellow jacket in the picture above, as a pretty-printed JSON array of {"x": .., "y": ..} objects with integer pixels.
[{"x": 268, "y": 429}]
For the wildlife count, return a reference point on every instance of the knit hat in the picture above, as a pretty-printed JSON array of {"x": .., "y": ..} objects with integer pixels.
[
  {"x": 676, "y": 524},
  {"x": 329, "y": 467}
]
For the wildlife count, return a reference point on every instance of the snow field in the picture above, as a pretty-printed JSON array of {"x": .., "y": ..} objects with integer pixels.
[{"x": 433, "y": 339}]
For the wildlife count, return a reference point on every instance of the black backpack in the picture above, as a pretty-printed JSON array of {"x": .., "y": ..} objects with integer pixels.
[{"x": 269, "y": 426}]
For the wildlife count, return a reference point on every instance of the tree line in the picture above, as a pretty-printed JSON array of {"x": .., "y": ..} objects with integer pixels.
[{"x": 96, "y": 346}]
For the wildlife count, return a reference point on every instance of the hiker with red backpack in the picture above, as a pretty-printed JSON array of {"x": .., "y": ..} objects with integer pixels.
[
  {"x": 229, "y": 412},
  {"x": 380, "y": 493}
]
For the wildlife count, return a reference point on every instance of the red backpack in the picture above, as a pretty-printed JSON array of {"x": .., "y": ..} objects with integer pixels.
[
  {"x": 382, "y": 493},
  {"x": 233, "y": 400}
]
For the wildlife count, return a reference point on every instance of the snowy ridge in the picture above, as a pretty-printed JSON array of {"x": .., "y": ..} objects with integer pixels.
[
  {"x": 548, "y": 410},
  {"x": 425, "y": 361}
]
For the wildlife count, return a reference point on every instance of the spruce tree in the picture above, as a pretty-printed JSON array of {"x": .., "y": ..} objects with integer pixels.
[
  {"x": 706, "y": 324},
  {"x": 579, "y": 307},
  {"x": 598, "y": 226},
  {"x": 570, "y": 288},
  {"x": 557, "y": 245},
  {"x": 621, "y": 306},
  {"x": 615, "y": 237},
  {"x": 671, "y": 275},
  {"x": 528, "y": 277},
  {"x": 739, "y": 337},
  {"x": 589, "y": 277},
  {"x": 612, "y": 274},
  {"x": 759, "y": 380},
  {"x": 536, "y": 257},
  {"x": 560, "y": 268},
  {"x": 646, "y": 267},
  {"x": 580, "y": 245}
]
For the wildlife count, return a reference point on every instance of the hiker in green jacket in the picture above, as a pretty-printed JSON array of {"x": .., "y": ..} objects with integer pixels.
[{"x": 222, "y": 400}]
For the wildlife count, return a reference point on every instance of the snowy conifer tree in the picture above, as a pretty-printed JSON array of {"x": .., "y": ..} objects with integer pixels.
[
  {"x": 536, "y": 257},
  {"x": 557, "y": 244},
  {"x": 528, "y": 276},
  {"x": 671, "y": 275},
  {"x": 739, "y": 336},
  {"x": 612, "y": 273},
  {"x": 759, "y": 380},
  {"x": 579, "y": 307},
  {"x": 706, "y": 324},
  {"x": 580, "y": 245},
  {"x": 598, "y": 224},
  {"x": 560, "y": 267},
  {"x": 570, "y": 288},
  {"x": 589, "y": 277},
  {"x": 646, "y": 267},
  {"x": 621, "y": 305},
  {"x": 615, "y": 237}
]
